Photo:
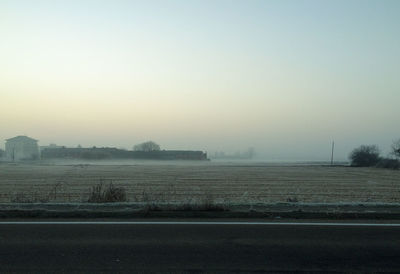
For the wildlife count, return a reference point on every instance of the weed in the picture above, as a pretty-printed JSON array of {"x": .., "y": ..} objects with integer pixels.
[
  {"x": 107, "y": 194},
  {"x": 292, "y": 200}
]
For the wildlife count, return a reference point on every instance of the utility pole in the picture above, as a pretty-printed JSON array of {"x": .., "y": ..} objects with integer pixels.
[{"x": 333, "y": 147}]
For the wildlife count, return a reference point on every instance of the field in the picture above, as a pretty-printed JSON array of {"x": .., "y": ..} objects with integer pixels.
[{"x": 196, "y": 182}]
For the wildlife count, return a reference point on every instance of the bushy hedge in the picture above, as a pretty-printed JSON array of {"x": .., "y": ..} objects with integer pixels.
[
  {"x": 365, "y": 156},
  {"x": 388, "y": 163}
]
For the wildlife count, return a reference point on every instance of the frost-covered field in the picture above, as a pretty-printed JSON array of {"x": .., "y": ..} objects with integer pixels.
[{"x": 192, "y": 182}]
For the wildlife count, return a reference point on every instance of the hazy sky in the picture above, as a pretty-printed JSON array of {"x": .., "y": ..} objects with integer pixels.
[{"x": 286, "y": 77}]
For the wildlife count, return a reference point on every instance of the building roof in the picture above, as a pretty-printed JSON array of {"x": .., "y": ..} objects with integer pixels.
[{"x": 21, "y": 138}]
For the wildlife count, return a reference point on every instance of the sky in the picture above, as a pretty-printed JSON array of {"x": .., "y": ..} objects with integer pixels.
[{"x": 285, "y": 77}]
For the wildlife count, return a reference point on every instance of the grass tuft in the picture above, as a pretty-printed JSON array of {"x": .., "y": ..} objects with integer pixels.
[{"x": 107, "y": 194}]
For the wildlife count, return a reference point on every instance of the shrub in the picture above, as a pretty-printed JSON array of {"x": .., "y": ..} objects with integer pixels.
[
  {"x": 388, "y": 163},
  {"x": 396, "y": 148},
  {"x": 365, "y": 156},
  {"x": 107, "y": 194}
]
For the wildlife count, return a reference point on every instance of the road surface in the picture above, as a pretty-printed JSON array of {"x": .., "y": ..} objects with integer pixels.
[{"x": 129, "y": 247}]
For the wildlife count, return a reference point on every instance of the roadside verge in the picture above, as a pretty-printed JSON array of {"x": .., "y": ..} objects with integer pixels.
[{"x": 142, "y": 210}]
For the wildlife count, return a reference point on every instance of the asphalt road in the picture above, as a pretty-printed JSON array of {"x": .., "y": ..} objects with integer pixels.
[{"x": 193, "y": 248}]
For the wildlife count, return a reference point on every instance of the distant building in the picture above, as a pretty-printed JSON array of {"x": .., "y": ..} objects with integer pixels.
[
  {"x": 21, "y": 148},
  {"x": 51, "y": 146},
  {"x": 115, "y": 153}
]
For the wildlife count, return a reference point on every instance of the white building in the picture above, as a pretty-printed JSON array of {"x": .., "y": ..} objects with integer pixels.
[{"x": 21, "y": 148}]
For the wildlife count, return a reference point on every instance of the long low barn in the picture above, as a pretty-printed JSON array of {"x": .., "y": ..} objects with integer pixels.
[{"x": 114, "y": 153}]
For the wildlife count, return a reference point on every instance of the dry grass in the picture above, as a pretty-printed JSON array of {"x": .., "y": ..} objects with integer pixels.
[
  {"x": 101, "y": 193},
  {"x": 195, "y": 184},
  {"x": 23, "y": 197}
]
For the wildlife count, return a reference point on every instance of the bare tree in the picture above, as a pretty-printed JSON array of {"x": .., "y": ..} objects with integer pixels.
[{"x": 147, "y": 146}]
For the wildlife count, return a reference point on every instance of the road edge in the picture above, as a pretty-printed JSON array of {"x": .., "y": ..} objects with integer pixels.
[{"x": 336, "y": 211}]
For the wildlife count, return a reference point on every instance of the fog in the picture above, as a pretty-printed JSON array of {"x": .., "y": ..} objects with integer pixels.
[{"x": 286, "y": 78}]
